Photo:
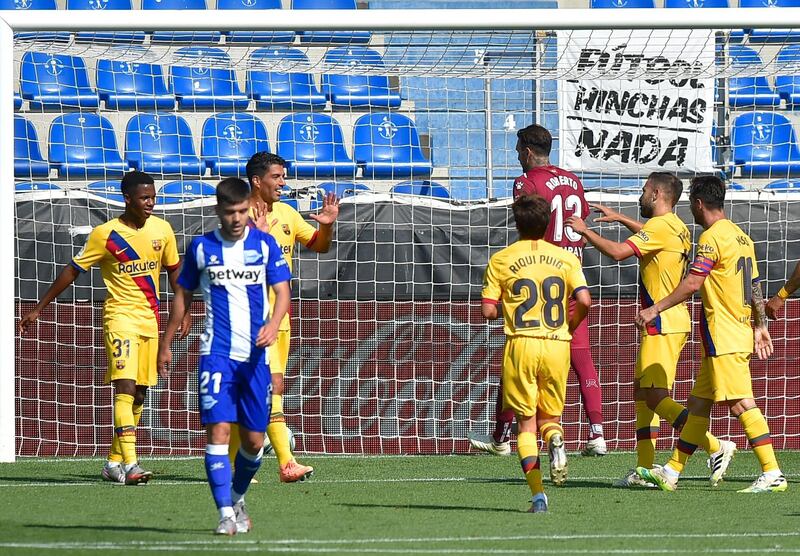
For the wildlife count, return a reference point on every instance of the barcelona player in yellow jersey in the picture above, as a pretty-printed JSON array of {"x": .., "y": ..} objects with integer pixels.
[
  {"x": 266, "y": 173},
  {"x": 131, "y": 251},
  {"x": 662, "y": 246},
  {"x": 534, "y": 281},
  {"x": 726, "y": 274}
]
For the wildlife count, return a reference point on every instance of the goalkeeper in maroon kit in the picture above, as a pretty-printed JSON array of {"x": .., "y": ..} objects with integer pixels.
[{"x": 564, "y": 191}]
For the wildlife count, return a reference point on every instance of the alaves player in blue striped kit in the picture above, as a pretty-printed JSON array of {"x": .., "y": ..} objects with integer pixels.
[{"x": 233, "y": 266}]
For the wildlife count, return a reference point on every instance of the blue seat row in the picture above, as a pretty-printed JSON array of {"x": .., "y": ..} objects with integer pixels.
[
  {"x": 56, "y": 81},
  {"x": 84, "y": 145},
  {"x": 203, "y": 36},
  {"x": 755, "y": 90},
  {"x": 765, "y": 145}
]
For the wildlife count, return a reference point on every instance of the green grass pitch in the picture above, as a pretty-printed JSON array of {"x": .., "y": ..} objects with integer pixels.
[{"x": 397, "y": 505}]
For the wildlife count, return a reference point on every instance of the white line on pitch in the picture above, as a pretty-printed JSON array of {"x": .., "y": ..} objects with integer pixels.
[{"x": 265, "y": 547}]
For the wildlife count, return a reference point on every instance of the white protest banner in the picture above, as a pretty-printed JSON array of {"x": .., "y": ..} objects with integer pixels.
[{"x": 639, "y": 101}]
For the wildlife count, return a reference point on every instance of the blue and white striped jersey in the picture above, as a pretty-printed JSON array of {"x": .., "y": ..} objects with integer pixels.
[{"x": 234, "y": 277}]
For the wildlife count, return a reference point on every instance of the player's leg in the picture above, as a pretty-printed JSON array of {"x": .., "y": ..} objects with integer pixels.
[
  {"x": 124, "y": 372},
  {"x": 589, "y": 383},
  {"x": 499, "y": 442},
  {"x": 253, "y": 410},
  {"x": 732, "y": 376},
  {"x": 521, "y": 358},
  {"x": 552, "y": 392},
  {"x": 217, "y": 400},
  {"x": 289, "y": 470}
]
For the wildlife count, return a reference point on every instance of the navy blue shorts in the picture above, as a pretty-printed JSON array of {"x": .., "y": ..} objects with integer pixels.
[{"x": 234, "y": 392}]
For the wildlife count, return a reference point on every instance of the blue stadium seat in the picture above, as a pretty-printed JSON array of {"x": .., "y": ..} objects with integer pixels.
[
  {"x": 276, "y": 90},
  {"x": 423, "y": 188},
  {"x": 108, "y": 189},
  {"x": 83, "y": 146},
  {"x": 748, "y": 91},
  {"x": 784, "y": 185},
  {"x": 349, "y": 37},
  {"x": 161, "y": 144},
  {"x": 695, "y": 3},
  {"x": 343, "y": 189},
  {"x": 313, "y": 146},
  {"x": 357, "y": 90},
  {"x": 200, "y": 87},
  {"x": 255, "y": 37},
  {"x": 133, "y": 86},
  {"x": 56, "y": 81},
  {"x": 771, "y": 35},
  {"x": 733, "y": 186},
  {"x": 17, "y": 101},
  {"x": 116, "y": 36},
  {"x": 387, "y": 146},
  {"x": 28, "y": 186},
  {"x": 788, "y": 86},
  {"x": 180, "y": 36},
  {"x": 622, "y": 4},
  {"x": 28, "y": 159},
  {"x": 183, "y": 191},
  {"x": 765, "y": 145},
  {"x": 229, "y": 140},
  {"x": 35, "y": 5}
]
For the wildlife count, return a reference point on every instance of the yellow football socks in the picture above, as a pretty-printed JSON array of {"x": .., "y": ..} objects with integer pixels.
[
  {"x": 115, "y": 453},
  {"x": 278, "y": 432},
  {"x": 692, "y": 435},
  {"x": 234, "y": 442},
  {"x": 676, "y": 415},
  {"x": 529, "y": 459},
  {"x": 647, "y": 424},
  {"x": 548, "y": 430},
  {"x": 757, "y": 432},
  {"x": 125, "y": 427}
]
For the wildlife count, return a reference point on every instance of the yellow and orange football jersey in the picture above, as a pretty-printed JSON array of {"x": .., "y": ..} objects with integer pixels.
[
  {"x": 534, "y": 281},
  {"x": 726, "y": 257},
  {"x": 287, "y": 226},
  {"x": 130, "y": 262},
  {"x": 662, "y": 247}
]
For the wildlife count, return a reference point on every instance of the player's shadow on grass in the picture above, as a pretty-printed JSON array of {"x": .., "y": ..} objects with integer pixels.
[
  {"x": 114, "y": 528},
  {"x": 43, "y": 480},
  {"x": 429, "y": 507},
  {"x": 577, "y": 482}
]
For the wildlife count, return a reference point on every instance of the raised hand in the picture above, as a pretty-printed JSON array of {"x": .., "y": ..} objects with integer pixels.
[
  {"x": 608, "y": 215},
  {"x": 329, "y": 212}
]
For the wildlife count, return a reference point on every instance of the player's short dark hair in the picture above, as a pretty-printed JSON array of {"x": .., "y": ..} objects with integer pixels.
[
  {"x": 536, "y": 138},
  {"x": 134, "y": 179},
  {"x": 232, "y": 191},
  {"x": 708, "y": 189},
  {"x": 532, "y": 214},
  {"x": 668, "y": 183},
  {"x": 259, "y": 164}
]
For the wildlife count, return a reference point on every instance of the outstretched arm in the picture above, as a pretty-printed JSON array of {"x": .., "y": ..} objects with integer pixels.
[
  {"x": 775, "y": 304},
  {"x": 67, "y": 277},
  {"x": 610, "y": 215},
  {"x": 326, "y": 217},
  {"x": 615, "y": 250},
  {"x": 761, "y": 337}
]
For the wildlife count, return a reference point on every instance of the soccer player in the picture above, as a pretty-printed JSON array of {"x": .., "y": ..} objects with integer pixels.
[
  {"x": 233, "y": 266},
  {"x": 662, "y": 246},
  {"x": 775, "y": 304},
  {"x": 534, "y": 280},
  {"x": 266, "y": 173},
  {"x": 130, "y": 251},
  {"x": 725, "y": 272},
  {"x": 563, "y": 190}
]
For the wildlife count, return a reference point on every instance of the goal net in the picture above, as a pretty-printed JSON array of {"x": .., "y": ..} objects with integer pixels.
[{"x": 415, "y": 131}]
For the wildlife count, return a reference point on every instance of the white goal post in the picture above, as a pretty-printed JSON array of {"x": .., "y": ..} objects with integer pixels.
[{"x": 370, "y": 20}]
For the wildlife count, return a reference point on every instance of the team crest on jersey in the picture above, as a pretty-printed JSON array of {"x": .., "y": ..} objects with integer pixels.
[
  {"x": 120, "y": 363},
  {"x": 518, "y": 185},
  {"x": 156, "y": 245},
  {"x": 286, "y": 230}
]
